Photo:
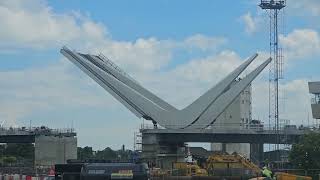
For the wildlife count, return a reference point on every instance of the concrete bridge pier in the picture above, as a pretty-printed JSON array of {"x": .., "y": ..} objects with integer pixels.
[
  {"x": 161, "y": 154},
  {"x": 164, "y": 146},
  {"x": 256, "y": 152},
  {"x": 51, "y": 150}
]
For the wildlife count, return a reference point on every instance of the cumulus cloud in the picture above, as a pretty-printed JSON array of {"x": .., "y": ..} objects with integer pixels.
[
  {"x": 290, "y": 93},
  {"x": 301, "y": 43},
  {"x": 32, "y": 24},
  {"x": 33, "y": 90},
  {"x": 304, "y": 7},
  {"x": 153, "y": 54},
  {"x": 250, "y": 23},
  {"x": 143, "y": 54},
  {"x": 203, "y": 42},
  {"x": 211, "y": 68}
]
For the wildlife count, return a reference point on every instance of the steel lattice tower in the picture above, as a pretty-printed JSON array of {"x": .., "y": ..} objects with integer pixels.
[{"x": 275, "y": 72}]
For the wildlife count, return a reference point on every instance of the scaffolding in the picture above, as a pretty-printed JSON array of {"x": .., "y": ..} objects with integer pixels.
[{"x": 137, "y": 142}]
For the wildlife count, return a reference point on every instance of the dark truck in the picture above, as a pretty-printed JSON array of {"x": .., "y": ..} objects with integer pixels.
[{"x": 97, "y": 171}]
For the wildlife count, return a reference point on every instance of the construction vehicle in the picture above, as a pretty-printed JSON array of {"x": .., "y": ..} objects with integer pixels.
[
  {"x": 231, "y": 165},
  {"x": 188, "y": 169},
  {"x": 286, "y": 176}
]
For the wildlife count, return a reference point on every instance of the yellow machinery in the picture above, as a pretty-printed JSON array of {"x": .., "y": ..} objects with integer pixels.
[
  {"x": 188, "y": 169},
  {"x": 236, "y": 161},
  {"x": 157, "y": 172},
  {"x": 286, "y": 176},
  {"x": 231, "y": 164}
]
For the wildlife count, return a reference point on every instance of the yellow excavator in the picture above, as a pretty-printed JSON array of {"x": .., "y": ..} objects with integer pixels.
[
  {"x": 236, "y": 161},
  {"x": 231, "y": 164},
  {"x": 188, "y": 169}
]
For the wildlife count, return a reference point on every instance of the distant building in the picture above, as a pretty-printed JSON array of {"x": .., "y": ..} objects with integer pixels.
[
  {"x": 314, "y": 89},
  {"x": 237, "y": 115}
]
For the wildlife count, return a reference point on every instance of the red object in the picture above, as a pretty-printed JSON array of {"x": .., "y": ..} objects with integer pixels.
[
  {"x": 51, "y": 172},
  {"x": 28, "y": 178}
]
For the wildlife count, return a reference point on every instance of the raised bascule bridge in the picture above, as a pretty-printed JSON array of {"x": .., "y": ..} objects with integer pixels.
[{"x": 172, "y": 127}]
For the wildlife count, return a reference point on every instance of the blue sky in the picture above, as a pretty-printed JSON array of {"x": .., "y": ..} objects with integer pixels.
[{"x": 184, "y": 46}]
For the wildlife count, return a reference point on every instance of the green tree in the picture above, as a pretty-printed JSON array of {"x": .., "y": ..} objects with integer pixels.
[
  {"x": 85, "y": 153},
  {"x": 306, "y": 153},
  {"x": 125, "y": 155},
  {"x": 107, "y": 154},
  {"x": 9, "y": 160},
  {"x": 23, "y": 150}
]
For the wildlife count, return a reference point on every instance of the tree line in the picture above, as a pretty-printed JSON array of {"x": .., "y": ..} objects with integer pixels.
[
  {"x": 87, "y": 153},
  {"x": 306, "y": 153},
  {"x": 13, "y": 153}
]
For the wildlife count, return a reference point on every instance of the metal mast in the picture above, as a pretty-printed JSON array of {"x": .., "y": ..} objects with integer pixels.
[{"x": 273, "y": 8}]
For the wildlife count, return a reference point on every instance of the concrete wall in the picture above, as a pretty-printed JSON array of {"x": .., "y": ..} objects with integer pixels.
[
  {"x": 237, "y": 115},
  {"x": 240, "y": 148},
  {"x": 50, "y": 150},
  {"x": 161, "y": 155}
]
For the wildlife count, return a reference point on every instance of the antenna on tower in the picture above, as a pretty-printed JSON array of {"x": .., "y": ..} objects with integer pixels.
[{"x": 274, "y": 7}]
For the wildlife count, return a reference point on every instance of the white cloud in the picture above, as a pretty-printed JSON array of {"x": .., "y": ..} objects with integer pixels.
[
  {"x": 152, "y": 54},
  {"x": 34, "y": 24},
  {"x": 211, "y": 68},
  {"x": 203, "y": 42},
  {"x": 290, "y": 93},
  {"x": 33, "y": 90},
  {"x": 304, "y": 7},
  {"x": 143, "y": 54},
  {"x": 301, "y": 43},
  {"x": 250, "y": 23}
]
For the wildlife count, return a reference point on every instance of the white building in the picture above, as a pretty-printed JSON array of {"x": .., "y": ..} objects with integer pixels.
[{"x": 236, "y": 116}]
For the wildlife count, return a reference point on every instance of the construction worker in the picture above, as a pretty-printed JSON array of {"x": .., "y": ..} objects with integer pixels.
[{"x": 267, "y": 173}]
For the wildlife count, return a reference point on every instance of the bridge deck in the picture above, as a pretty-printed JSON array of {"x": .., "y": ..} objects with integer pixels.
[
  {"x": 225, "y": 135},
  {"x": 23, "y": 135}
]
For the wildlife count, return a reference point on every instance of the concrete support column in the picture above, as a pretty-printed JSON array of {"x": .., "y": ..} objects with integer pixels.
[
  {"x": 161, "y": 154},
  {"x": 149, "y": 148},
  {"x": 256, "y": 153},
  {"x": 51, "y": 150}
]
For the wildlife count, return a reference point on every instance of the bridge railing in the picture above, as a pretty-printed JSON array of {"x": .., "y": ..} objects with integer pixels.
[{"x": 37, "y": 131}]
